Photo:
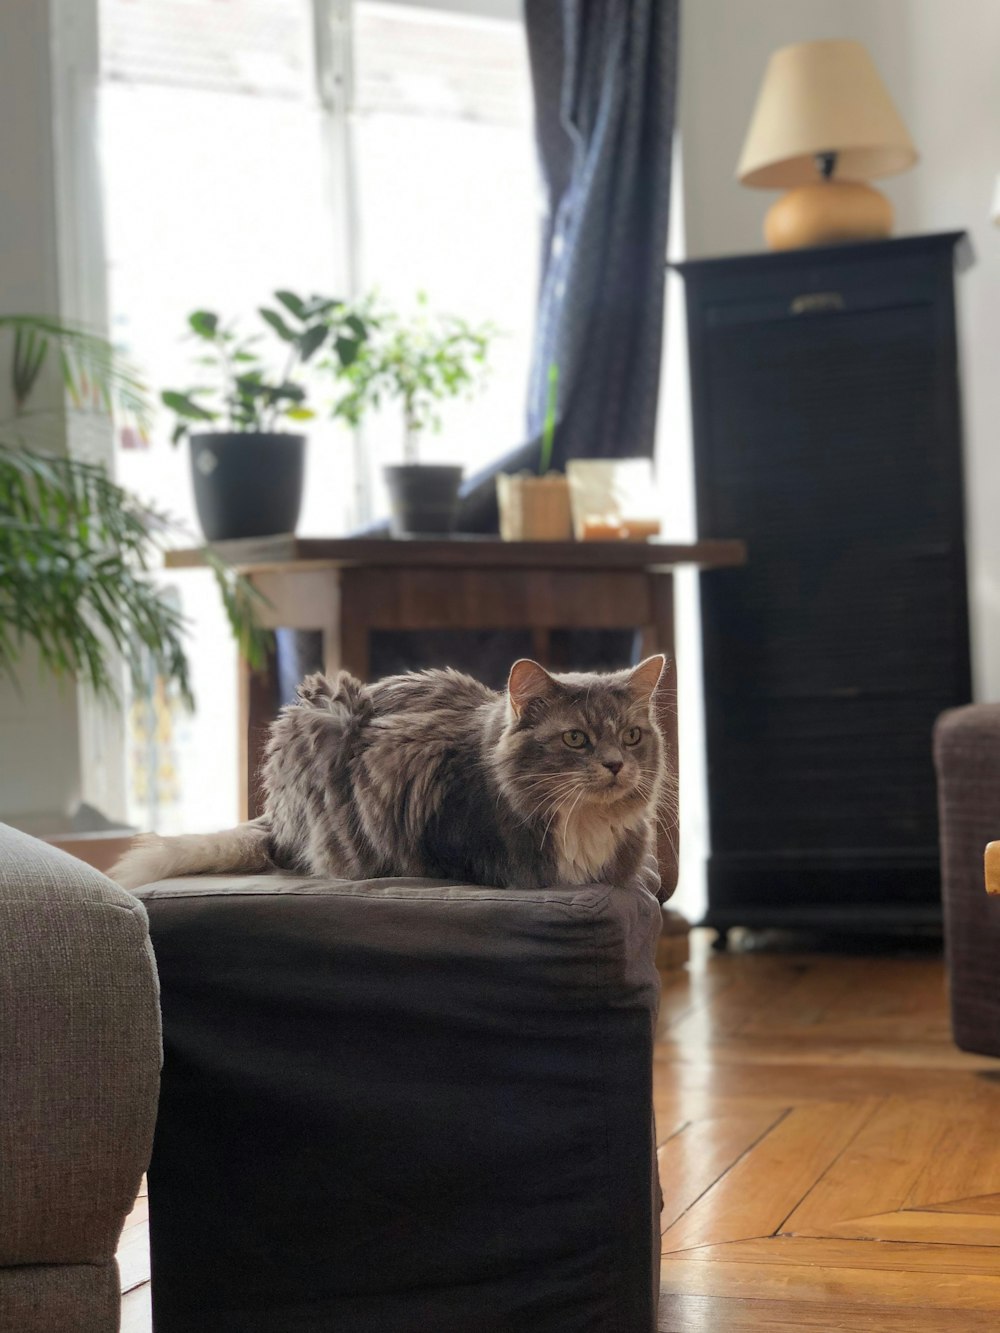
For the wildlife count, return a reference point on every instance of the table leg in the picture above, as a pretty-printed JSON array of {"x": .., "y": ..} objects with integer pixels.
[
  {"x": 346, "y": 639},
  {"x": 541, "y": 648},
  {"x": 257, "y": 694},
  {"x": 658, "y": 637}
]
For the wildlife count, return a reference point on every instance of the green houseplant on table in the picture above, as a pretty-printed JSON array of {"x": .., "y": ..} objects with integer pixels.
[
  {"x": 75, "y": 547},
  {"x": 419, "y": 364},
  {"x": 246, "y": 470}
]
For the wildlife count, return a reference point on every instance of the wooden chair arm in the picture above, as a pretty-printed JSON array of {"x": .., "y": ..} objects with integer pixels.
[{"x": 993, "y": 868}]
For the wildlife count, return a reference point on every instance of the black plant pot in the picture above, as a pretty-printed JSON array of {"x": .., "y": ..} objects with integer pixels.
[
  {"x": 247, "y": 485},
  {"x": 424, "y": 498}
]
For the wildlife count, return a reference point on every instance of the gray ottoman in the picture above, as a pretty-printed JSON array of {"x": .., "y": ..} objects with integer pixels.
[{"x": 403, "y": 1106}]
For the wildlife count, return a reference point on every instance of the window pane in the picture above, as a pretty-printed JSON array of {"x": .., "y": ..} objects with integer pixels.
[
  {"x": 239, "y": 46},
  {"x": 448, "y": 201},
  {"x": 215, "y": 178}
]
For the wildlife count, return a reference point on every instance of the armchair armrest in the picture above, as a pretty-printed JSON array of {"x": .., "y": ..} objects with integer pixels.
[
  {"x": 79, "y": 1058},
  {"x": 967, "y": 754}
]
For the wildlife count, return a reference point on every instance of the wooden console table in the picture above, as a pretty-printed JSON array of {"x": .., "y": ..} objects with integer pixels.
[{"x": 349, "y": 587}]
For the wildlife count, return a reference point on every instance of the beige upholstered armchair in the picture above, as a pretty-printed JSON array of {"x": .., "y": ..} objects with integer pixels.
[{"x": 79, "y": 1074}]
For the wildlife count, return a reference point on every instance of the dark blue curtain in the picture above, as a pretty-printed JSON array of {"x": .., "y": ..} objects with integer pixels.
[{"x": 604, "y": 74}]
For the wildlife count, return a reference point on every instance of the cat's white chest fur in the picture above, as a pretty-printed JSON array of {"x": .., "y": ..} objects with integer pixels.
[{"x": 585, "y": 844}]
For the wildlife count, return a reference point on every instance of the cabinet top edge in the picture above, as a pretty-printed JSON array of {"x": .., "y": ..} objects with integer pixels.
[{"x": 956, "y": 241}]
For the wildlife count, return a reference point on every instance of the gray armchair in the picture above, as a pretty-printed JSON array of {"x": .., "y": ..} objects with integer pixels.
[
  {"x": 967, "y": 754},
  {"x": 79, "y": 1074}
]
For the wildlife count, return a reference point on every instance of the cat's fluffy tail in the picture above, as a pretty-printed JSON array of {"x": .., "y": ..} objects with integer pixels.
[{"x": 239, "y": 851}]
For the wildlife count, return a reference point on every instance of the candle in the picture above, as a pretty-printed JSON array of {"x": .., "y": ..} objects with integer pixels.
[
  {"x": 640, "y": 529},
  {"x": 601, "y": 529}
]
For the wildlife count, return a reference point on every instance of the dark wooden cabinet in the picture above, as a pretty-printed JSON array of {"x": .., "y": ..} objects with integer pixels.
[{"x": 827, "y": 432}]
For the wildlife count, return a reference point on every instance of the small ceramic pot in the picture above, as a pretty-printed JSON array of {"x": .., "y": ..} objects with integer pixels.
[{"x": 423, "y": 498}]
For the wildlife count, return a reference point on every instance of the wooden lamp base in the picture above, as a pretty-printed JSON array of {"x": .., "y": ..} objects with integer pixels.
[{"x": 828, "y": 212}]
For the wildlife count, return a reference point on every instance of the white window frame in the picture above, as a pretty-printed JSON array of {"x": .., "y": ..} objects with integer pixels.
[{"x": 82, "y": 286}]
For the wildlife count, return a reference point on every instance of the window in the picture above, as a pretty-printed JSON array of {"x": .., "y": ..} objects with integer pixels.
[
  {"x": 448, "y": 202},
  {"x": 318, "y": 145}
]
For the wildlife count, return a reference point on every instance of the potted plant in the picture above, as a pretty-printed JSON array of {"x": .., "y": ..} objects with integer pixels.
[
  {"x": 74, "y": 546},
  {"x": 248, "y": 473},
  {"x": 537, "y": 508},
  {"x": 418, "y": 364}
]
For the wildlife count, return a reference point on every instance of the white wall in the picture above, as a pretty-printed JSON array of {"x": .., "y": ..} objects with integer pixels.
[
  {"x": 39, "y": 752},
  {"x": 942, "y": 64},
  {"x": 952, "y": 106}
]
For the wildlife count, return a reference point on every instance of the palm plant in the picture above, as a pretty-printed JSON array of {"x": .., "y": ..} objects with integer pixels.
[{"x": 75, "y": 548}]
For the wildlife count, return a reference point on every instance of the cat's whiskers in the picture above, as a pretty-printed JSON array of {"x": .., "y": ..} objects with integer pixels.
[
  {"x": 531, "y": 782},
  {"x": 545, "y": 779},
  {"x": 555, "y": 793},
  {"x": 572, "y": 810},
  {"x": 555, "y": 812},
  {"x": 551, "y": 797},
  {"x": 552, "y": 789},
  {"x": 646, "y": 791}
]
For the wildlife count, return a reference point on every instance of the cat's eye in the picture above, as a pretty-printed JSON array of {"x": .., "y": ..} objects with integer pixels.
[
  {"x": 632, "y": 736},
  {"x": 576, "y": 740}
]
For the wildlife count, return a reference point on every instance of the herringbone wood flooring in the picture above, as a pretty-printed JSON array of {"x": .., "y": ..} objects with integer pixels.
[{"x": 830, "y": 1162}]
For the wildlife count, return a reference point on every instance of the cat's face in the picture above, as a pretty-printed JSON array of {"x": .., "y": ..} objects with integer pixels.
[{"x": 576, "y": 740}]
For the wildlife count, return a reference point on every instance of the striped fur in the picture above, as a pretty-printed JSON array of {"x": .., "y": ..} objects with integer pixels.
[{"x": 433, "y": 774}]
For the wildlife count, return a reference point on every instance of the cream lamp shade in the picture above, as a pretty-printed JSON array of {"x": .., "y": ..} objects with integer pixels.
[
  {"x": 995, "y": 210},
  {"x": 824, "y": 117}
]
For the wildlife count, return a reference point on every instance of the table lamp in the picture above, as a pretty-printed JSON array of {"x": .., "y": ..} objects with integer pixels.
[{"x": 823, "y": 126}]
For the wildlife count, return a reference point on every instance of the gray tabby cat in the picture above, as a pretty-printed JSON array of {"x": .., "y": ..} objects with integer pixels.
[{"x": 554, "y": 781}]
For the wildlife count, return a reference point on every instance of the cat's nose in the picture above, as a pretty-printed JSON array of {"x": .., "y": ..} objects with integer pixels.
[{"x": 613, "y": 765}]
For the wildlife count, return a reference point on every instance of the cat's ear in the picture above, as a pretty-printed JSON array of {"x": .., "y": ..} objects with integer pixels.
[
  {"x": 644, "y": 678},
  {"x": 528, "y": 681}
]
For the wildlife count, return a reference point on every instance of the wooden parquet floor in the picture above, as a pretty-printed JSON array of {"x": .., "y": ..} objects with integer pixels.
[{"x": 830, "y": 1161}]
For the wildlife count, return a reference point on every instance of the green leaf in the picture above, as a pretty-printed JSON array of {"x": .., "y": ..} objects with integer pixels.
[
  {"x": 185, "y": 406},
  {"x": 241, "y": 601},
  {"x": 300, "y": 414},
  {"x": 277, "y": 323},
  {"x": 95, "y": 375},
  {"x": 251, "y": 386},
  {"x": 320, "y": 305},
  {"x": 312, "y": 340},
  {"x": 74, "y": 548},
  {"x": 292, "y": 303},
  {"x": 347, "y": 350},
  {"x": 205, "y": 323}
]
